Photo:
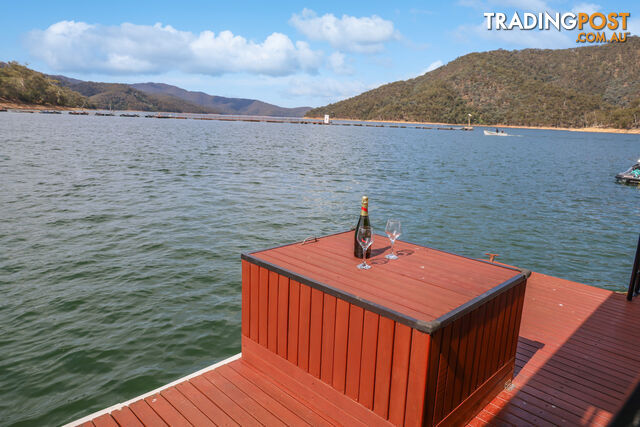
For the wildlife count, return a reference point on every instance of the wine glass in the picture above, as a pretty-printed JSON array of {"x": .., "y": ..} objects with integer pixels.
[
  {"x": 365, "y": 238},
  {"x": 393, "y": 231}
]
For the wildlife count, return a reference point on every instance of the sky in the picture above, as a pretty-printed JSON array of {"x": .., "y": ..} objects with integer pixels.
[{"x": 286, "y": 53}]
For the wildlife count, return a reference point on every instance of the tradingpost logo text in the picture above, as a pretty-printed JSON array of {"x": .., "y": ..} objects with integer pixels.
[{"x": 592, "y": 26}]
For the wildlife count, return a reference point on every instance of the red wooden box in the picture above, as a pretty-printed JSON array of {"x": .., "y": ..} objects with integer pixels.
[{"x": 427, "y": 339}]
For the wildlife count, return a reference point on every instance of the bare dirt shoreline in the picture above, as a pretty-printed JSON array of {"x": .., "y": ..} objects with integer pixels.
[
  {"x": 587, "y": 129},
  {"x": 15, "y": 106}
]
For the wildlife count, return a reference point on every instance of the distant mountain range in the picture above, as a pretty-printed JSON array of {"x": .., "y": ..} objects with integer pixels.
[
  {"x": 221, "y": 104},
  {"x": 579, "y": 87},
  {"x": 23, "y": 85}
]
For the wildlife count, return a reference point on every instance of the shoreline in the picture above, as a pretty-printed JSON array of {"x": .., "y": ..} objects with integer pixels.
[
  {"x": 587, "y": 129},
  {"x": 36, "y": 107}
]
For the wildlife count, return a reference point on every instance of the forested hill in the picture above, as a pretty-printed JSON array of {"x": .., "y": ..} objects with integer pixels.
[
  {"x": 21, "y": 85},
  {"x": 579, "y": 87}
]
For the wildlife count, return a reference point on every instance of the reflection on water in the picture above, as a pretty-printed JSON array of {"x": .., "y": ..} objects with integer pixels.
[{"x": 121, "y": 237}]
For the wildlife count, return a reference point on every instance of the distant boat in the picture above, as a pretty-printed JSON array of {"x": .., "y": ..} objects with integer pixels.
[
  {"x": 3, "y": 110},
  {"x": 631, "y": 175},
  {"x": 491, "y": 133},
  {"x": 104, "y": 114},
  {"x": 129, "y": 115},
  {"x": 79, "y": 113},
  {"x": 50, "y": 112}
]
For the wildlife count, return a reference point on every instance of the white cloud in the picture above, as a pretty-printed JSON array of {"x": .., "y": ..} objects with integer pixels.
[
  {"x": 364, "y": 35},
  {"x": 586, "y": 8},
  {"x": 434, "y": 65},
  {"x": 338, "y": 63},
  {"x": 129, "y": 48}
]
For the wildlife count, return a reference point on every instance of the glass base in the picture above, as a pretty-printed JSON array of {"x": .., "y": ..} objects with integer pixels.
[
  {"x": 391, "y": 256},
  {"x": 364, "y": 266}
]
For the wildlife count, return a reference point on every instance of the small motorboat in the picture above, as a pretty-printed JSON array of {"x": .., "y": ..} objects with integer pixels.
[
  {"x": 631, "y": 175},
  {"x": 496, "y": 133}
]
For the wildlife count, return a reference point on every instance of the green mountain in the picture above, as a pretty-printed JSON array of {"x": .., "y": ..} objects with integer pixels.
[
  {"x": 579, "y": 87},
  {"x": 22, "y": 85}
]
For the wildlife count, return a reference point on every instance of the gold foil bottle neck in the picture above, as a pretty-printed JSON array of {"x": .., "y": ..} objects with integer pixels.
[{"x": 365, "y": 206}]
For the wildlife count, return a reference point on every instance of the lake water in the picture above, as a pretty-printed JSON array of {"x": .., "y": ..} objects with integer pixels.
[{"x": 120, "y": 238}]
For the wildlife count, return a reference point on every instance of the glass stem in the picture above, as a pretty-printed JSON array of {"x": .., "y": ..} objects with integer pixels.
[
  {"x": 364, "y": 256},
  {"x": 392, "y": 242}
]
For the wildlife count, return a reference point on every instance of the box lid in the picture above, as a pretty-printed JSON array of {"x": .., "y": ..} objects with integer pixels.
[{"x": 425, "y": 288}]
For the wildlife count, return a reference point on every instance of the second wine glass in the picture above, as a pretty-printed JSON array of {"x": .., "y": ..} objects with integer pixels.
[
  {"x": 365, "y": 239},
  {"x": 393, "y": 230}
]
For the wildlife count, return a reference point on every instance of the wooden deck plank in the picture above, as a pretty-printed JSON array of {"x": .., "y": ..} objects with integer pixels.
[
  {"x": 475, "y": 275},
  {"x": 382, "y": 296},
  {"x": 246, "y": 297},
  {"x": 105, "y": 420},
  {"x": 126, "y": 417},
  {"x": 301, "y": 408},
  {"x": 209, "y": 408},
  {"x": 272, "y": 316},
  {"x": 453, "y": 366},
  {"x": 273, "y": 406},
  {"x": 432, "y": 375},
  {"x": 224, "y": 402},
  {"x": 354, "y": 351},
  {"x": 399, "y": 373},
  {"x": 242, "y": 399},
  {"x": 388, "y": 285},
  {"x": 398, "y": 279},
  {"x": 384, "y": 360},
  {"x": 340, "y": 346},
  {"x": 294, "y": 319},
  {"x": 304, "y": 326},
  {"x": 186, "y": 408},
  {"x": 145, "y": 414},
  {"x": 283, "y": 315},
  {"x": 167, "y": 412},
  {"x": 254, "y": 317},
  {"x": 328, "y": 338},
  {"x": 302, "y": 384},
  {"x": 417, "y": 378},
  {"x": 263, "y": 310},
  {"x": 315, "y": 338}
]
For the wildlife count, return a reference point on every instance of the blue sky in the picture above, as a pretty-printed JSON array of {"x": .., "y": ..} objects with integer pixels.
[{"x": 286, "y": 53}]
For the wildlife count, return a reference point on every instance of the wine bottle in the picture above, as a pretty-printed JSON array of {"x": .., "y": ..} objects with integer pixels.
[{"x": 363, "y": 220}]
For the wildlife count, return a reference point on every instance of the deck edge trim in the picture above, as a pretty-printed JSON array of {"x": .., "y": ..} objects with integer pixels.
[{"x": 152, "y": 392}]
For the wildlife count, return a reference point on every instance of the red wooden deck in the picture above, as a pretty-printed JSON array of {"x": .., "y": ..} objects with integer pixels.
[{"x": 577, "y": 361}]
